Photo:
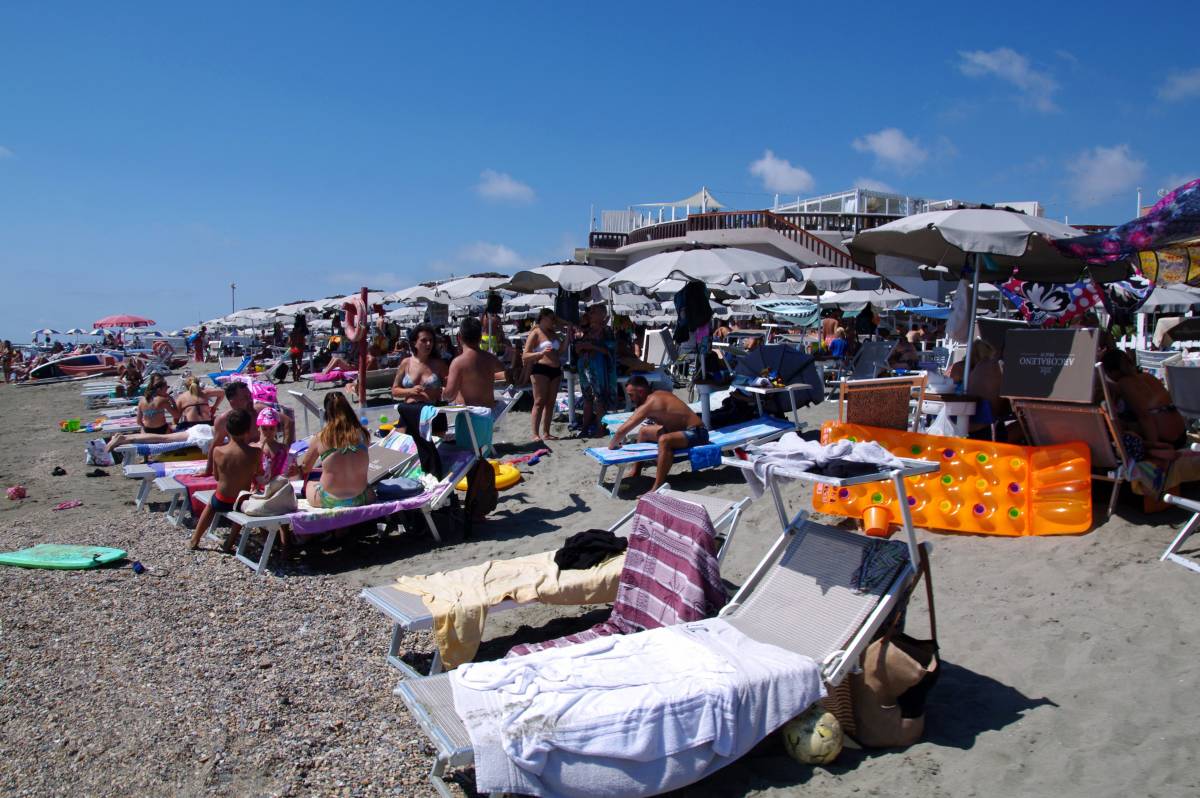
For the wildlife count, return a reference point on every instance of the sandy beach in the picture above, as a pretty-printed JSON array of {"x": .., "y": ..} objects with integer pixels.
[{"x": 1068, "y": 662}]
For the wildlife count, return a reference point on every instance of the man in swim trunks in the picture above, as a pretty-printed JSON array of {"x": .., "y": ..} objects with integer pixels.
[
  {"x": 236, "y": 464},
  {"x": 669, "y": 421},
  {"x": 472, "y": 376},
  {"x": 239, "y": 397}
]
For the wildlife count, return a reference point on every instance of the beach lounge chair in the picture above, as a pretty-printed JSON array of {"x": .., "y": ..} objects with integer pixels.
[
  {"x": 1046, "y": 423},
  {"x": 658, "y": 349},
  {"x": 240, "y": 368},
  {"x": 311, "y": 408},
  {"x": 870, "y": 359},
  {"x": 408, "y": 611},
  {"x": 308, "y": 522},
  {"x": 1154, "y": 362},
  {"x": 890, "y": 402},
  {"x": 379, "y": 384},
  {"x": 759, "y": 430},
  {"x": 147, "y": 473},
  {"x": 1173, "y": 551},
  {"x": 805, "y": 596},
  {"x": 613, "y": 420}
]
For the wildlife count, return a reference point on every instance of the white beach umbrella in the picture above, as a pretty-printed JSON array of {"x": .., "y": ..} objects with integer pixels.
[
  {"x": 418, "y": 293},
  {"x": 468, "y": 286},
  {"x": 567, "y": 276},
  {"x": 76, "y": 331},
  {"x": 830, "y": 278},
  {"x": 1171, "y": 299},
  {"x": 857, "y": 300},
  {"x": 529, "y": 302},
  {"x": 44, "y": 331},
  {"x": 716, "y": 266}
]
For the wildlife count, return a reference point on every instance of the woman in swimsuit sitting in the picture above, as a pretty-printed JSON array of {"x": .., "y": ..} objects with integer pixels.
[
  {"x": 542, "y": 364},
  {"x": 153, "y": 406},
  {"x": 197, "y": 405},
  {"x": 1147, "y": 410},
  {"x": 419, "y": 381},
  {"x": 340, "y": 449}
]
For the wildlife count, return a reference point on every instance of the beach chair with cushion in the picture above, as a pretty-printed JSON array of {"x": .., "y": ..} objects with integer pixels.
[
  {"x": 379, "y": 384},
  {"x": 409, "y": 612},
  {"x": 308, "y": 522},
  {"x": 240, "y": 368},
  {"x": 1047, "y": 423},
  {"x": 759, "y": 430},
  {"x": 820, "y": 592},
  {"x": 890, "y": 402}
]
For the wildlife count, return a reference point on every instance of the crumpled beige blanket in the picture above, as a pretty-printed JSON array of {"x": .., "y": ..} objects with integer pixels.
[{"x": 459, "y": 599}]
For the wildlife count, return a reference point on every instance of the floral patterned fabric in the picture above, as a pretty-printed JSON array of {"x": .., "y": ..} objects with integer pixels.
[{"x": 1173, "y": 220}]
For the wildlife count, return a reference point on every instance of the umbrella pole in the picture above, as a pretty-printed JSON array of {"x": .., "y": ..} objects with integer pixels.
[
  {"x": 977, "y": 261},
  {"x": 362, "y": 352}
]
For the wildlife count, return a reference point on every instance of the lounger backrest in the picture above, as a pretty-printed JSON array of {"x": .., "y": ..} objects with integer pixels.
[
  {"x": 1050, "y": 423},
  {"x": 1184, "y": 384},
  {"x": 886, "y": 403},
  {"x": 806, "y": 596},
  {"x": 659, "y": 348},
  {"x": 871, "y": 359}
]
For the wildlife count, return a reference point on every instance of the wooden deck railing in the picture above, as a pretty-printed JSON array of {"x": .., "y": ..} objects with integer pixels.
[{"x": 745, "y": 220}]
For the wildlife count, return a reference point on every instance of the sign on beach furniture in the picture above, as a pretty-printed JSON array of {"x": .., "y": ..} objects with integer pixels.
[{"x": 1057, "y": 365}]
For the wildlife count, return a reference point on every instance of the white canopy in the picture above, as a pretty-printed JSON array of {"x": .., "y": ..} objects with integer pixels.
[
  {"x": 857, "y": 300},
  {"x": 468, "y": 286},
  {"x": 717, "y": 266},
  {"x": 701, "y": 199},
  {"x": 568, "y": 276},
  {"x": 830, "y": 278}
]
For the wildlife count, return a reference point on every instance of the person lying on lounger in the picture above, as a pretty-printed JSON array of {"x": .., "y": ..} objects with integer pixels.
[
  {"x": 669, "y": 421},
  {"x": 236, "y": 464}
]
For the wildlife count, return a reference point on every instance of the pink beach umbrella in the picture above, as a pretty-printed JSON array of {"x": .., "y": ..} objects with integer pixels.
[{"x": 124, "y": 320}]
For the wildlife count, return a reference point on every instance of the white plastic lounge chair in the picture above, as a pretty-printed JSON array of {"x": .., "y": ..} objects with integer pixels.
[
  {"x": 408, "y": 612},
  {"x": 760, "y": 430},
  {"x": 889, "y": 402},
  {"x": 147, "y": 473},
  {"x": 379, "y": 384},
  {"x": 803, "y": 597},
  {"x": 1173, "y": 551},
  {"x": 613, "y": 420},
  {"x": 1184, "y": 384},
  {"x": 311, "y": 408},
  {"x": 657, "y": 347}
]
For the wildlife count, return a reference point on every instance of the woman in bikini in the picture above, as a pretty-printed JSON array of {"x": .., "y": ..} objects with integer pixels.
[
  {"x": 297, "y": 342},
  {"x": 419, "y": 381},
  {"x": 153, "y": 407},
  {"x": 197, "y": 405},
  {"x": 542, "y": 364},
  {"x": 340, "y": 449}
]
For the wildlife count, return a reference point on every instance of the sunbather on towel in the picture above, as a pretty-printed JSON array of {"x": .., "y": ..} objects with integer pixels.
[
  {"x": 669, "y": 421},
  {"x": 235, "y": 464}
]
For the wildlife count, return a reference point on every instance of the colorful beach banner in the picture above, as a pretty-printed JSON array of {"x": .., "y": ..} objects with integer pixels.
[{"x": 1171, "y": 266}]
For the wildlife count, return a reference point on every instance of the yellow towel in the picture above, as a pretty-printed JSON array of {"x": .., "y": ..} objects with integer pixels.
[{"x": 459, "y": 599}]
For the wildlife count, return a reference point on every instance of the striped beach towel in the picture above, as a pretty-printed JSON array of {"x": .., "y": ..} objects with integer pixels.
[{"x": 670, "y": 575}]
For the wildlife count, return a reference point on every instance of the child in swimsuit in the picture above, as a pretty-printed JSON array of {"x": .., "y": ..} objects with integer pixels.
[
  {"x": 274, "y": 447},
  {"x": 235, "y": 464}
]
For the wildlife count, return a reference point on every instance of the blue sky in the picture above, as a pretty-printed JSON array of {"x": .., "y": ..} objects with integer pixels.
[{"x": 150, "y": 154}]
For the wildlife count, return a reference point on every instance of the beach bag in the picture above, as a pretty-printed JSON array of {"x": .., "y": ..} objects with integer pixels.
[
  {"x": 276, "y": 498},
  {"x": 941, "y": 425},
  {"x": 96, "y": 454},
  {"x": 482, "y": 495},
  {"x": 898, "y": 671}
]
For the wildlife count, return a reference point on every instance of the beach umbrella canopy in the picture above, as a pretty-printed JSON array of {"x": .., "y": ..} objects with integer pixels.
[
  {"x": 857, "y": 300},
  {"x": 124, "y": 320},
  {"x": 716, "y": 266},
  {"x": 1174, "y": 220},
  {"x": 418, "y": 293},
  {"x": 44, "y": 331},
  {"x": 1177, "y": 328},
  {"x": 1008, "y": 239},
  {"x": 76, "y": 331},
  {"x": 830, "y": 278},
  {"x": 1172, "y": 299},
  {"x": 465, "y": 287},
  {"x": 786, "y": 364},
  {"x": 529, "y": 301},
  {"x": 568, "y": 276}
]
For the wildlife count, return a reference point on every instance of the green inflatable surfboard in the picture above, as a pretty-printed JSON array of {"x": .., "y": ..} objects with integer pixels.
[{"x": 53, "y": 555}]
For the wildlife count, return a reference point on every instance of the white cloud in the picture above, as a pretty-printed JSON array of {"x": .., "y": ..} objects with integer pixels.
[
  {"x": 1098, "y": 174},
  {"x": 5, "y": 152},
  {"x": 893, "y": 149},
  {"x": 502, "y": 187},
  {"x": 871, "y": 184},
  {"x": 1180, "y": 86},
  {"x": 778, "y": 174},
  {"x": 1174, "y": 181},
  {"x": 487, "y": 255},
  {"x": 1037, "y": 88}
]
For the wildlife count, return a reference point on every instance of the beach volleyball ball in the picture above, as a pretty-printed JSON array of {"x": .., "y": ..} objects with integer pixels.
[{"x": 813, "y": 737}]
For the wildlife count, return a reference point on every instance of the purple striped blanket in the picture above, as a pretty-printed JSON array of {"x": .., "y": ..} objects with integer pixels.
[{"x": 670, "y": 575}]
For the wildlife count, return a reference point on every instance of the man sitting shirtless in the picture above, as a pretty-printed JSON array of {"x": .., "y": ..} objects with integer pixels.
[{"x": 669, "y": 421}]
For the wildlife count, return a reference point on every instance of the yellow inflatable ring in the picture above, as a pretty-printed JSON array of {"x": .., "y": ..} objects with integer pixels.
[{"x": 507, "y": 475}]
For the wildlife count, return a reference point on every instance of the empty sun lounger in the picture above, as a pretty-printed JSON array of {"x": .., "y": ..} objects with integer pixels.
[
  {"x": 807, "y": 597},
  {"x": 149, "y": 472},
  {"x": 1173, "y": 552},
  {"x": 217, "y": 376},
  {"x": 759, "y": 430},
  {"x": 409, "y": 613}
]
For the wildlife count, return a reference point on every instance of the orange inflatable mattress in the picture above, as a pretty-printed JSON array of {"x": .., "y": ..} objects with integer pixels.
[{"x": 983, "y": 487}]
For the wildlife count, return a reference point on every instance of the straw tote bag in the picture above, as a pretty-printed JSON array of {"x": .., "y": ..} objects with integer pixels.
[
  {"x": 276, "y": 498},
  {"x": 898, "y": 671}
]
